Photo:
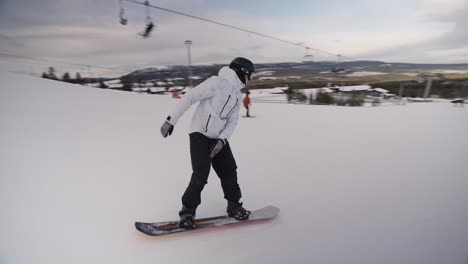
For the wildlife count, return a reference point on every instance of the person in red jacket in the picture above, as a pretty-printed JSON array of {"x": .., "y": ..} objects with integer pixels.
[{"x": 247, "y": 103}]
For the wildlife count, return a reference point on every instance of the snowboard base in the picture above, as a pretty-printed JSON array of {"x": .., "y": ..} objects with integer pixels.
[{"x": 172, "y": 227}]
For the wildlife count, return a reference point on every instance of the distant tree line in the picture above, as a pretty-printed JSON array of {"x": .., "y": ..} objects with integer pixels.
[
  {"x": 445, "y": 89},
  {"x": 66, "y": 77},
  {"x": 324, "y": 98},
  {"x": 52, "y": 74}
]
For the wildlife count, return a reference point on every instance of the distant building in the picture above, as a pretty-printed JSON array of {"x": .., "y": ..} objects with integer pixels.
[
  {"x": 354, "y": 88},
  {"x": 140, "y": 90},
  {"x": 157, "y": 90},
  {"x": 377, "y": 92}
]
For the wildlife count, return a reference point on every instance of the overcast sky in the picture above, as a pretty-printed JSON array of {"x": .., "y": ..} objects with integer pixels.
[{"x": 88, "y": 31}]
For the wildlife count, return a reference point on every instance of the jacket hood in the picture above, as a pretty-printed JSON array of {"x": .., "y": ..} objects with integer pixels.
[{"x": 229, "y": 75}]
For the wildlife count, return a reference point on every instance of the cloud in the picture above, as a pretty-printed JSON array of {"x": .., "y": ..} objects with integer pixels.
[
  {"x": 450, "y": 11},
  {"x": 88, "y": 32},
  {"x": 444, "y": 10},
  {"x": 444, "y": 41},
  {"x": 9, "y": 42}
]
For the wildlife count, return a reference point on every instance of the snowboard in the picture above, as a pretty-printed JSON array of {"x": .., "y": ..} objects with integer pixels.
[
  {"x": 172, "y": 227},
  {"x": 248, "y": 116}
]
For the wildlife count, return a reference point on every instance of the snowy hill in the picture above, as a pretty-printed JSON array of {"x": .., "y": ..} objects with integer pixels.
[
  {"x": 298, "y": 70},
  {"x": 355, "y": 185}
]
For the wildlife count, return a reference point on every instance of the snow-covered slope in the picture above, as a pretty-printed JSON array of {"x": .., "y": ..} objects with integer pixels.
[{"x": 355, "y": 185}]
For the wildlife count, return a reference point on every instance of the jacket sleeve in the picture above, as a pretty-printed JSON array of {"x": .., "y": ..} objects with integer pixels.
[
  {"x": 202, "y": 91},
  {"x": 231, "y": 124}
]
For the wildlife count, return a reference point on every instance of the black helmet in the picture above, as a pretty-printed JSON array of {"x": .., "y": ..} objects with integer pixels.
[{"x": 243, "y": 68}]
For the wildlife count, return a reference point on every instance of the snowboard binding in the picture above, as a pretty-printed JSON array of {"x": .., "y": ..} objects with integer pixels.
[
  {"x": 187, "y": 218},
  {"x": 236, "y": 211},
  {"x": 187, "y": 221}
]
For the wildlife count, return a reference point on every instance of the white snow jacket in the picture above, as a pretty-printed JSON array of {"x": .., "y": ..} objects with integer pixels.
[{"x": 218, "y": 112}]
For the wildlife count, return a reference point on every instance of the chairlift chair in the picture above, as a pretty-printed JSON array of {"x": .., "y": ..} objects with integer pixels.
[
  {"x": 123, "y": 20},
  {"x": 338, "y": 67},
  {"x": 307, "y": 57},
  {"x": 149, "y": 23}
]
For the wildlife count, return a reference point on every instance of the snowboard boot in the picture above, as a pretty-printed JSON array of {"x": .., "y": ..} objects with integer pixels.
[
  {"x": 236, "y": 211},
  {"x": 187, "y": 221},
  {"x": 187, "y": 218}
]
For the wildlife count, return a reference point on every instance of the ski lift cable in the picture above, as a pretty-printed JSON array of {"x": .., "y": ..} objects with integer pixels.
[
  {"x": 301, "y": 44},
  {"x": 45, "y": 60},
  {"x": 48, "y": 61}
]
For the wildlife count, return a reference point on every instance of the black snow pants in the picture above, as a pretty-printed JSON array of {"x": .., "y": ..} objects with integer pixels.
[{"x": 223, "y": 164}]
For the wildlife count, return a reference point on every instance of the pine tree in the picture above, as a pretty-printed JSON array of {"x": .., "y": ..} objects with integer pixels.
[
  {"x": 295, "y": 95},
  {"x": 126, "y": 83},
  {"x": 324, "y": 98},
  {"x": 355, "y": 100},
  {"x": 66, "y": 77},
  {"x": 103, "y": 85},
  {"x": 78, "y": 79},
  {"x": 311, "y": 98},
  {"x": 52, "y": 73}
]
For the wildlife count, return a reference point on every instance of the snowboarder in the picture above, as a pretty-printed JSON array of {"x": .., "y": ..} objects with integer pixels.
[
  {"x": 247, "y": 103},
  {"x": 212, "y": 125}
]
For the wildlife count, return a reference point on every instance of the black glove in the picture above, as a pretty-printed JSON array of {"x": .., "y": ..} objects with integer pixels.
[
  {"x": 167, "y": 128},
  {"x": 217, "y": 147}
]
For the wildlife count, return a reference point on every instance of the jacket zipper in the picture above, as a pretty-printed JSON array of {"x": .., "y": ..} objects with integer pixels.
[
  {"x": 207, "y": 122},
  {"x": 237, "y": 100},
  {"x": 225, "y": 105}
]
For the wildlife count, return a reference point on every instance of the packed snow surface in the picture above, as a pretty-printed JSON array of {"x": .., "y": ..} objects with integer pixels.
[{"x": 367, "y": 185}]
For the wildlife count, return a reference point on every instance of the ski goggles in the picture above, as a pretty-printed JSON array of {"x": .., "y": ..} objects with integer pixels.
[{"x": 247, "y": 73}]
